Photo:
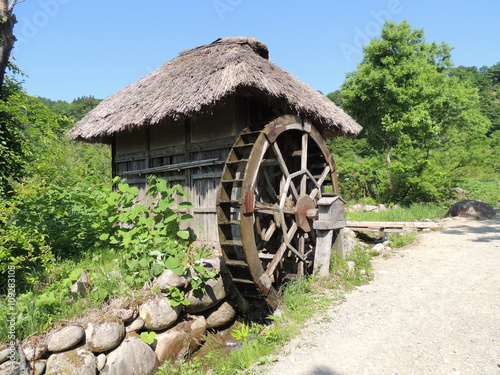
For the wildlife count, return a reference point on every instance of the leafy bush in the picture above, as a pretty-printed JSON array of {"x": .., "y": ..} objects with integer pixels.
[{"x": 120, "y": 242}]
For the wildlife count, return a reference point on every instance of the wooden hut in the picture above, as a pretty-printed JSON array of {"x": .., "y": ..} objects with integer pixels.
[{"x": 244, "y": 138}]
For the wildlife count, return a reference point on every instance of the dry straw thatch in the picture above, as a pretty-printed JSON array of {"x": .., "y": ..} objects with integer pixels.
[{"x": 198, "y": 78}]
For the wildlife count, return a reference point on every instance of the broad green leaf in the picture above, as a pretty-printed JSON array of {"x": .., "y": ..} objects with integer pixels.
[{"x": 184, "y": 234}]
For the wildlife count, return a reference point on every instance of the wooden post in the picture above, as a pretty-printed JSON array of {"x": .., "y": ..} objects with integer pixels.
[{"x": 328, "y": 232}]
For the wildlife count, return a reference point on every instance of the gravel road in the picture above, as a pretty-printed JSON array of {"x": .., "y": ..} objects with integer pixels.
[{"x": 432, "y": 308}]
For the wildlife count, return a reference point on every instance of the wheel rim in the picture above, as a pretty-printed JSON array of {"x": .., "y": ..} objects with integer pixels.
[{"x": 285, "y": 174}]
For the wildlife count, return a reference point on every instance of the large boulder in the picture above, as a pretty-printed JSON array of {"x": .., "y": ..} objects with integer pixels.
[
  {"x": 65, "y": 338},
  {"x": 132, "y": 357},
  {"x": 221, "y": 315},
  {"x": 76, "y": 362},
  {"x": 104, "y": 335},
  {"x": 214, "y": 293},
  {"x": 158, "y": 314},
  {"x": 168, "y": 279},
  {"x": 472, "y": 209},
  {"x": 10, "y": 368}
]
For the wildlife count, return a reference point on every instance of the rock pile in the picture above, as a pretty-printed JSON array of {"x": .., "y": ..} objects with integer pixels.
[{"x": 110, "y": 342}]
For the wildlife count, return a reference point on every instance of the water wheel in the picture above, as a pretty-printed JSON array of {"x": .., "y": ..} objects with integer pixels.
[{"x": 270, "y": 186}]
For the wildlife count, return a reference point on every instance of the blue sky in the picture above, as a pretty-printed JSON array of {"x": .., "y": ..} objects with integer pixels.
[{"x": 72, "y": 48}]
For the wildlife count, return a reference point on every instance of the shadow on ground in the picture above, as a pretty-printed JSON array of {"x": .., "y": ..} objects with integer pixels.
[
  {"x": 323, "y": 371},
  {"x": 490, "y": 229}
]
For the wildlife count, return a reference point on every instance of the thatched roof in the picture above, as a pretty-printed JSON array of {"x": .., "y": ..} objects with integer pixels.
[{"x": 198, "y": 78}]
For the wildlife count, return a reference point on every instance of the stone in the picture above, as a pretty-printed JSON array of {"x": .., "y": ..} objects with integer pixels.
[
  {"x": 370, "y": 208},
  {"x": 221, "y": 315},
  {"x": 349, "y": 244},
  {"x": 4, "y": 352},
  {"x": 136, "y": 325},
  {"x": 10, "y": 368},
  {"x": 356, "y": 208},
  {"x": 168, "y": 279},
  {"x": 471, "y": 209},
  {"x": 125, "y": 315},
  {"x": 101, "y": 361},
  {"x": 80, "y": 287},
  {"x": 132, "y": 357},
  {"x": 351, "y": 266},
  {"x": 378, "y": 248},
  {"x": 65, "y": 338},
  {"x": 214, "y": 293},
  {"x": 158, "y": 314},
  {"x": 181, "y": 340},
  {"x": 459, "y": 193},
  {"x": 33, "y": 351},
  {"x": 349, "y": 233},
  {"x": 78, "y": 361},
  {"x": 213, "y": 264},
  {"x": 104, "y": 335},
  {"x": 40, "y": 366}
]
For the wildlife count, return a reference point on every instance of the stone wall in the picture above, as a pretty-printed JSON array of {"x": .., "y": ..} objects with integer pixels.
[{"x": 129, "y": 336}]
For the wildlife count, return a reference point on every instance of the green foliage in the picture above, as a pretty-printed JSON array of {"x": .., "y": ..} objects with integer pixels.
[
  {"x": 344, "y": 278},
  {"x": 487, "y": 191},
  {"x": 422, "y": 124},
  {"x": 52, "y": 234},
  {"x": 402, "y": 239},
  {"x": 147, "y": 234},
  {"x": 25, "y": 127},
  {"x": 148, "y": 337},
  {"x": 182, "y": 367},
  {"x": 33, "y": 141},
  {"x": 486, "y": 79},
  {"x": 241, "y": 333},
  {"x": 41, "y": 224},
  {"x": 75, "y": 110}
]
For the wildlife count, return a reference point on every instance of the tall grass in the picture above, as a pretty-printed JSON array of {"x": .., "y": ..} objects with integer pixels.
[{"x": 415, "y": 212}]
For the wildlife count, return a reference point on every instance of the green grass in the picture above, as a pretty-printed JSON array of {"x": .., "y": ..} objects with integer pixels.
[
  {"x": 416, "y": 212},
  {"x": 402, "y": 239},
  {"x": 487, "y": 191},
  {"x": 47, "y": 303}
]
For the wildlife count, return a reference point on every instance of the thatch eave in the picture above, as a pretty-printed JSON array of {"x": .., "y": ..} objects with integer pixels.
[{"x": 200, "y": 78}]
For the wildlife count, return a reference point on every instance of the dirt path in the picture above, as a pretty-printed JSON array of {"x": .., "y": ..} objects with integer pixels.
[{"x": 432, "y": 308}]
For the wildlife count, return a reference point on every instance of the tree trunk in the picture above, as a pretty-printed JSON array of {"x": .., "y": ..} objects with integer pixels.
[
  {"x": 7, "y": 38},
  {"x": 388, "y": 152}
]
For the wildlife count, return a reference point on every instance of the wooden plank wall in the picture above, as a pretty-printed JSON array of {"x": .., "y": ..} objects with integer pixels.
[{"x": 197, "y": 147}]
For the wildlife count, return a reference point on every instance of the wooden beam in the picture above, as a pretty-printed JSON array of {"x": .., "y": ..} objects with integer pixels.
[
  {"x": 177, "y": 166},
  {"x": 390, "y": 226}
]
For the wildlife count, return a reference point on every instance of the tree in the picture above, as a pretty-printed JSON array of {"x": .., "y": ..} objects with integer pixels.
[
  {"x": 7, "y": 38},
  {"x": 426, "y": 122}
]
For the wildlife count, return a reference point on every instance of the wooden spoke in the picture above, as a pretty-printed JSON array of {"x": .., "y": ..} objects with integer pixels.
[
  {"x": 314, "y": 193},
  {"x": 283, "y": 167},
  {"x": 270, "y": 231},
  {"x": 279, "y": 254},
  {"x": 303, "y": 163},
  {"x": 269, "y": 186},
  {"x": 300, "y": 265}
]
